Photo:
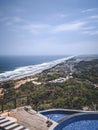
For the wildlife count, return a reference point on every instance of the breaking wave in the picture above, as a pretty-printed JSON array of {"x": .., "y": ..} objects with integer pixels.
[{"x": 22, "y": 72}]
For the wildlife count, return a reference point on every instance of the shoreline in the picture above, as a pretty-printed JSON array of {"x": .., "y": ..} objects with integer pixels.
[
  {"x": 27, "y": 71},
  {"x": 76, "y": 75}
]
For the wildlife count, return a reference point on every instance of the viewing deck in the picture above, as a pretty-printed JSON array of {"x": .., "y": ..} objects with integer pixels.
[{"x": 31, "y": 119}]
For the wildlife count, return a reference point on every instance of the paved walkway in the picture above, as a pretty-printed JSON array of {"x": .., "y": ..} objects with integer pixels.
[{"x": 30, "y": 119}]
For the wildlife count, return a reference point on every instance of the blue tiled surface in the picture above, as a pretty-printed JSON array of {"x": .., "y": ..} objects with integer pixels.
[
  {"x": 83, "y": 125},
  {"x": 56, "y": 117},
  {"x": 84, "y": 121}
]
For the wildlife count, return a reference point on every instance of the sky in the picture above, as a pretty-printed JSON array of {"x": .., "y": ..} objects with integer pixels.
[{"x": 48, "y": 27}]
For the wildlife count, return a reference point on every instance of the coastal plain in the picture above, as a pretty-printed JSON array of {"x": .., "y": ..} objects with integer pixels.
[{"x": 72, "y": 84}]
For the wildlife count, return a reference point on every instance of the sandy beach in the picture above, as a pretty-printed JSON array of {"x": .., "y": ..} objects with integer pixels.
[{"x": 30, "y": 70}]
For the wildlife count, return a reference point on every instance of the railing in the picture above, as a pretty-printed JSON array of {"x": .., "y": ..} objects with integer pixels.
[{"x": 14, "y": 102}]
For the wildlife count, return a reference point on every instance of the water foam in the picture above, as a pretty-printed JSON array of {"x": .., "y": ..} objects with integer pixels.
[{"x": 22, "y": 72}]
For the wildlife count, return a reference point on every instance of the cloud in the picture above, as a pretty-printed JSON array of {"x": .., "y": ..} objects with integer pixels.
[
  {"x": 93, "y": 17},
  {"x": 61, "y": 15},
  {"x": 68, "y": 27},
  {"x": 16, "y": 23},
  {"x": 35, "y": 28},
  {"x": 47, "y": 28},
  {"x": 88, "y": 10},
  {"x": 89, "y": 28},
  {"x": 11, "y": 20},
  {"x": 17, "y": 19},
  {"x": 90, "y": 32},
  {"x": 85, "y": 25}
]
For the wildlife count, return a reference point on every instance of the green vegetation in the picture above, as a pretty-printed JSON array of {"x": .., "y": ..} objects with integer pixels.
[
  {"x": 48, "y": 76},
  {"x": 75, "y": 93},
  {"x": 87, "y": 70}
]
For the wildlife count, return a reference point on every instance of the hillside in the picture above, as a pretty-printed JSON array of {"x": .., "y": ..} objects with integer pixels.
[{"x": 72, "y": 84}]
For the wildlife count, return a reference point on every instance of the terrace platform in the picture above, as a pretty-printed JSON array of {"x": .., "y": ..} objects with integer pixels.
[{"x": 31, "y": 119}]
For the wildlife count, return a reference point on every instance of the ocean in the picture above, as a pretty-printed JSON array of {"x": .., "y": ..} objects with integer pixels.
[
  {"x": 13, "y": 67},
  {"x": 10, "y": 63}
]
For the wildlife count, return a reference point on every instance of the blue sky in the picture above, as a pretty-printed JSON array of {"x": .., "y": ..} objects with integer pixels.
[{"x": 48, "y": 27}]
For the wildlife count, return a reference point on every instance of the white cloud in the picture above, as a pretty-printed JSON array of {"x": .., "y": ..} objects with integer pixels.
[
  {"x": 11, "y": 20},
  {"x": 17, "y": 19},
  {"x": 90, "y": 32},
  {"x": 61, "y": 15},
  {"x": 68, "y": 27},
  {"x": 89, "y": 28},
  {"x": 35, "y": 28},
  {"x": 93, "y": 17},
  {"x": 14, "y": 24},
  {"x": 88, "y": 10}
]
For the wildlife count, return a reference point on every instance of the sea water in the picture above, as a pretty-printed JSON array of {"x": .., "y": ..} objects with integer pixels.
[
  {"x": 9, "y": 63},
  {"x": 20, "y": 66}
]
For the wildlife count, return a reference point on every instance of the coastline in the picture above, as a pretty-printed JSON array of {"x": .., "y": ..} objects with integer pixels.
[
  {"x": 54, "y": 87},
  {"x": 23, "y": 72}
]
